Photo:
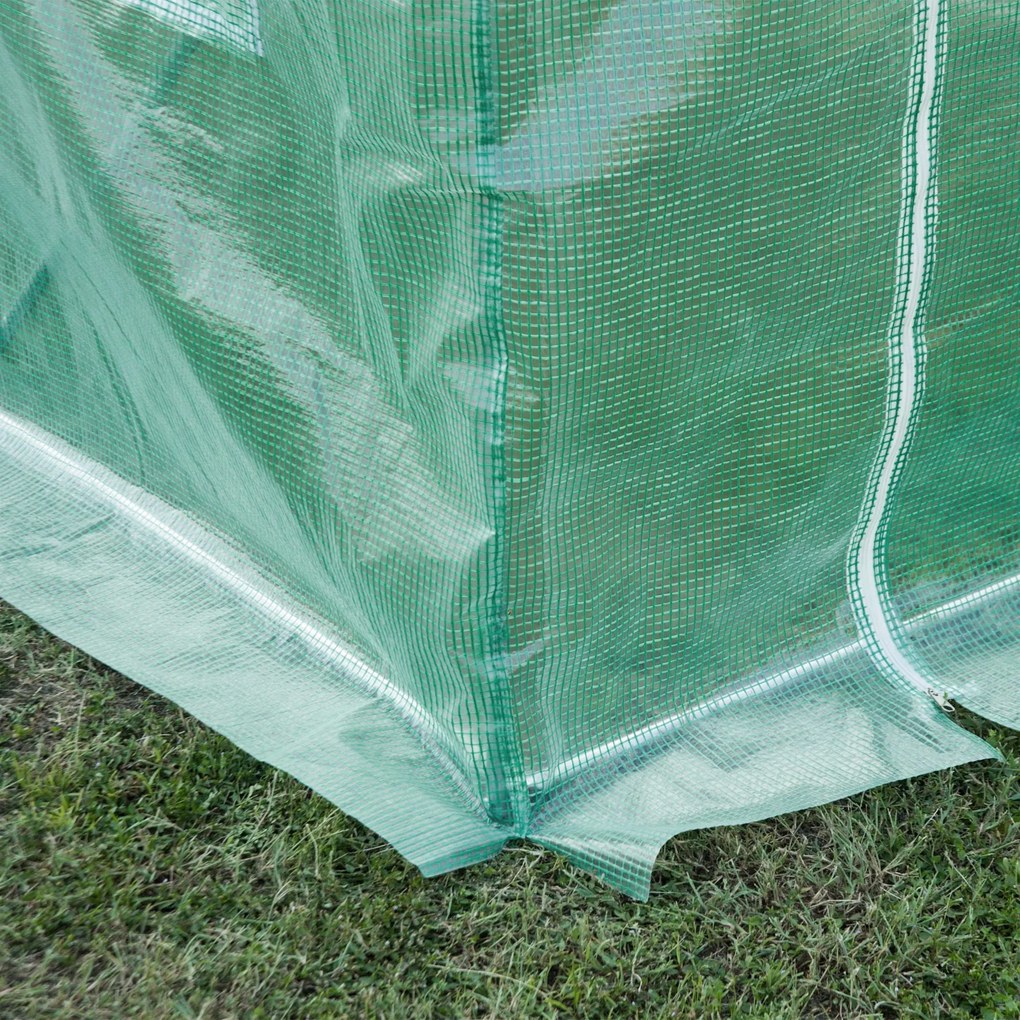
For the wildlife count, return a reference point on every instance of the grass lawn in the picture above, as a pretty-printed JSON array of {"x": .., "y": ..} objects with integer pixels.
[{"x": 151, "y": 869}]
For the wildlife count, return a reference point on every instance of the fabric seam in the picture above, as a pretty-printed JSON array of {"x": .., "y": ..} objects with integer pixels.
[
  {"x": 503, "y": 762},
  {"x": 867, "y": 569},
  {"x": 643, "y": 738}
]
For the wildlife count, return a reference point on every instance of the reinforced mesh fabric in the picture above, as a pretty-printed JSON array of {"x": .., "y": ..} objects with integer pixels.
[{"x": 574, "y": 421}]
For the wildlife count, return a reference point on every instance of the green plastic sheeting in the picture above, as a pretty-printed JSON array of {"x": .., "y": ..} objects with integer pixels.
[{"x": 580, "y": 421}]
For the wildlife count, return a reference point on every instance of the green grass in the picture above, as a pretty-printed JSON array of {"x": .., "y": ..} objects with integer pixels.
[{"x": 151, "y": 869}]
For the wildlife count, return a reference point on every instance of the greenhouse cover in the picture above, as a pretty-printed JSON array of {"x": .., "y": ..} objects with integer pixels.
[{"x": 573, "y": 420}]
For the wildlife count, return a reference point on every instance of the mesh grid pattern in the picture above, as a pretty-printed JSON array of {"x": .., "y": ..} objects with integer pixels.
[{"x": 573, "y": 421}]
